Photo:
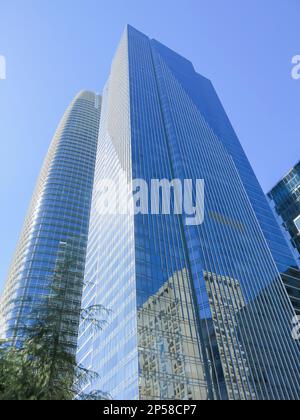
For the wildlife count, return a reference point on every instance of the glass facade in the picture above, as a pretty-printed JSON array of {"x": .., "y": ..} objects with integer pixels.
[
  {"x": 285, "y": 201},
  {"x": 56, "y": 227},
  {"x": 297, "y": 223},
  {"x": 286, "y": 198},
  {"x": 196, "y": 312}
]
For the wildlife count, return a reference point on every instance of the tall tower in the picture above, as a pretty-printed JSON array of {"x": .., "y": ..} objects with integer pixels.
[
  {"x": 56, "y": 226},
  {"x": 285, "y": 200},
  {"x": 197, "y": 312},
  {"x": 285, "y": 196}
]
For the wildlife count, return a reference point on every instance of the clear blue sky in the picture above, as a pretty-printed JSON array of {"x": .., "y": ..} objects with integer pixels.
[{"x": 55, "y": 48}]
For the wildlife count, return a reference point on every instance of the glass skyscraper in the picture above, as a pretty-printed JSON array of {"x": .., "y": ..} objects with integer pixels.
[
  {"x": 196, "y": 312},
  {"x": 56, "y": 227},
  {"x": 285, "y": 201}
]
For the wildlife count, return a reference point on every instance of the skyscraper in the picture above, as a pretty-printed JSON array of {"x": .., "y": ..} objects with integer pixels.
[
  {"x": 196, "y": 312},
  {"x": 56, "y": 227},
  {"x": 285, "y": 201},
  {"x": 285, "y": 197}
]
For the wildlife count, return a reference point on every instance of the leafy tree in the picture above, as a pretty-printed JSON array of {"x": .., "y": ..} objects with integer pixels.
[{"x": 42, "y": 366}]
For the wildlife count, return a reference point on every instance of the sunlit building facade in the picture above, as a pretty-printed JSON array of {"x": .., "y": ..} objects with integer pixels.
[
  {"x": 56, "y": 227},
  {"x": 196, "y": 312},
  {"x": 226, "y": 301},
  {"x": 166, "y": 328}
]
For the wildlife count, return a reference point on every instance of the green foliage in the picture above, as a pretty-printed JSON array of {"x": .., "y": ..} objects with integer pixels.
[{"x": 43, "y": 365}]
